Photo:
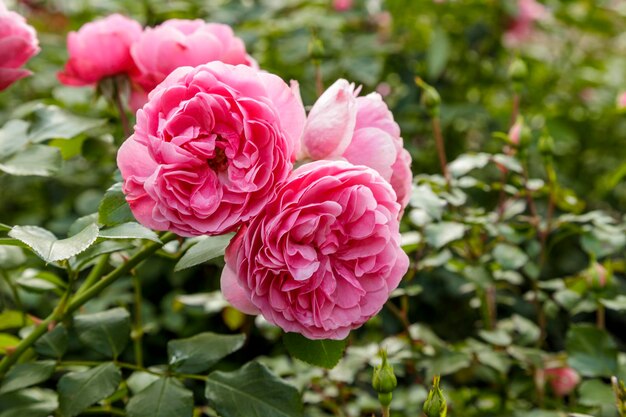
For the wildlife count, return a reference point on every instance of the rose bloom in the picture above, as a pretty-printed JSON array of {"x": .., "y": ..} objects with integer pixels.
[
  {"x": 100, "y": 49},
  {"x": 323, "y": 256},
  {"x": 621, "y": 101},
  {"x": 342, "y": 5},
  {"x": 522, "y": 25},
  {"x": 176, "y": 43},
  {"x": 562, "y": 380},
  {"x": 209, "y": 148},
  {"x": 18, "y": 43},
  {"x": 360, "y": 130}
]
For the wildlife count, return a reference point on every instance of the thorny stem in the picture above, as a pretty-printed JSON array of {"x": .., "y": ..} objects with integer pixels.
[
  {"x": 117, "y": 98},
  {"x": 138, "y": 331},
  {"x": 95, "y": 273},
  {"x": 67, "y": 306},
  {"x": 441, "y": 150},
  {"x": 601, "y": 317}
]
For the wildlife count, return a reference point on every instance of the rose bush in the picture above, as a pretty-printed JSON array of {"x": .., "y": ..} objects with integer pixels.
[
  {"x": 360, "y": 130},
  {"x": 100, "y": 49},
  {"x": 18, "y": 43},
  {"x": 323, "y": 256},
  {"x": 209, "y": 148}
]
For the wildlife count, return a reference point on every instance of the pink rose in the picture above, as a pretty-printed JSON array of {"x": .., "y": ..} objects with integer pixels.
[
  {"x": 562, "y": 380},
  {"x": 100, "y": 49},
  {"x": 521, "y": 27},
  {"x": 209, "y": 148},
  {"x": 18, "y": 43},
  {"x": 177, "y": 43},
  {"x": 621, "y": 101},
  {"x": 342, "y": 5},
  {"x": 360, "y": 130},
  {"x": 323, "y": 256}
]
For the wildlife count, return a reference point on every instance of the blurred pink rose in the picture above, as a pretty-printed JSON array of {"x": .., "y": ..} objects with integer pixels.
[
  {"x": 209, "y": 148},
  {"x": 360, "y": 130},
  {"x": 597, "y": 275},
  {"x": 516, "y": 130},
  {"x": 100, "y": 49},
  {"x": 621, "y": 101},
  {"x": 522, "y": 24},
  {"x": 342, "y": 5},
  {"x": 176, "y": 43},
  {"x": 18, "y": 43},
  {"x": 562, "y": 380},
  {"x": 323, "y": 256}
]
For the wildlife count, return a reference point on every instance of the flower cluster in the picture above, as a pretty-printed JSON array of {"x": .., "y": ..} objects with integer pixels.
[
  {"x": 317, "y": 249},
  {"x": 18, "y": 43}
]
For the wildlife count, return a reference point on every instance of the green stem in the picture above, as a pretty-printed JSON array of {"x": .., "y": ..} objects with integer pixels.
[
  {"x": 386, "y": 411},
  {"x": 63, "y": 310},
  {"x": 105, "y": 410},
  {"x": 132, "y": 367},
  {"x": 441, "y": 149},
  {"x": 138, "y": 331},
  {"x": 95, "y": 273}
]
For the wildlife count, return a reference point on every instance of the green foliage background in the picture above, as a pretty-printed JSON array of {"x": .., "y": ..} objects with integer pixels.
[{"x": 498, "y": 291}]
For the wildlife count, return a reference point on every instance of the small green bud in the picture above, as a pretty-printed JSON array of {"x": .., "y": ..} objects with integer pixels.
[
  {"x": 435, "y": 405},
  {"x": 518, "y": 71},
  {"x": 430, "y": 97},
  {"x": 384, "y": 381},
  {"x": 316, "y": 48}
]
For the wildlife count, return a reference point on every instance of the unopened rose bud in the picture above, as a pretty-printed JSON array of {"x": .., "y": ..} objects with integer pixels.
[
  {"x": 430, "y": 97},
  {"x": 597, "y": 276},
  {"x": 384, "y": 380},
  {"x": 620, "y": 395},
  {"x": 435, "y": 405},
  {"x": 562, "y": 380}
]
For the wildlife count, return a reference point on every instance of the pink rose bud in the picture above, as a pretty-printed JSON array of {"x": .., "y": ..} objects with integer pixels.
[
  {"x": 177, "y": 43},
  {"x": 597, "y": 275},
  {"x": 522, "y": 25},
  {"x": 209, "y": 148},
  {"x": 360, "y": 130},
  {"x": 342, "y": 5},
  {"x": 323, "y": 256},
  {"x": 18, "y": 43},
  {"x": 621, "y": 101},
  {"x": 100, "y": 49},
  {"x": 516, "y": 131},
  {"x": 562, "y": 380}
]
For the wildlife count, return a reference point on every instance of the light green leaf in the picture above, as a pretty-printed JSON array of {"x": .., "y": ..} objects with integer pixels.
[
  {"x": 252, "y": 391},
  {"x": 509, "y": 256},
  {"x": 53, "y": 122},
  {"x": 618, "y": 303},
  {"x": 26, "y": 374},
  {"x": 324, "y": 353},
  {"x": 106, "y": 332},
  {"x": 440, "y": 234},
  {"x": 592, "y": 352},
  {"x": 114, "y": 209},
  {"x": 130, "y": 230},
  {"x": 39, "y": 160},
  {"x": 79, "y": 390},
  {"x": 467, "y": 162},
  {"x": 51, "y": 249},
  {"x": 11, "y": 257},
  {"x": 13, "y": 137},
  {"x": 13, "y": 319},
  {"x": 595, "y": 393},
  {"x": 166, "y": 397},
  {"x": 7, "y": 341},
  {"x": 203, "y": 251},
  {"x": 30, "y": 402},
  {"x": 198, "y": 353},
  {"x": 438, "y": 52}
]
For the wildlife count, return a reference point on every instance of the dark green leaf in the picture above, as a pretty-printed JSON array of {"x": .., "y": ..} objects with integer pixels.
[
  {"x": 509, "y": 256},
  {"x": 252, "y": 391},
  {"x": 79, "y": 390},
  {"x": 200, "y": 352},
  {"x": 30, "y": 402},
  {"x": 592, "y": 352},
  {"x": 26, "y": 374},
  {"x": 51, "y": 249},
  {"x": 595, "y": 393},
  {"x": 324, "y": 353},
  {"x": 39, "y": 160},
  {"x": 166, "y": 397},
  {"x": 114, "y": 209},
  {"x": 106, "y": 332},
  {"x": 53, "y": 344},
  {"x": 203, "y": 251}
]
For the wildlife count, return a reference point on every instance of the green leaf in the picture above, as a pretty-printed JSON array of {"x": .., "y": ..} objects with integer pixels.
[
  {"x": 198, "y": 353},
  {"x": 11, "y": 257},
  {"x": 106, "y": 332},
  {"x": 13, "y": 319},
  {"x": 618, "y": 303},
  {"x": 592, "y": 352},
  {"x": 30, "y": 402},
  {"x": 26, "y": 374},
  {"x": 447, "y": 362},
  {"x": 166, "y": 397},
  {"x": 40, "y": 281},
  {"x": 53, "y": 344},
  {"x": 140, "y": 380},
  {"x": 114, "y": 209},
  {"x": 440, "y": 234},
  {"x": 13, "y": 137},
  {"x": 595, "y": 393},
  {"x": 324, "y": 353},
  {"x": 52, "y": 122},
  {"x": 467, "y": 162},
  {"x": 39, "y": 160},
  {"x": 252, "y": 391},
  {"x": 7, "y": 341},
  {"x": 130, "y": 230},
  {"x": 438, "y": 52},
  {"x": 79, "y": 390},
  {"x": 51, "y": 249},
  {"x": 203, "y": 251},
  {"x": 509, "y": 256}
]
